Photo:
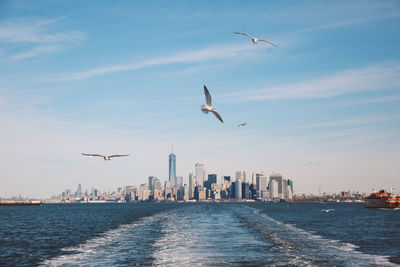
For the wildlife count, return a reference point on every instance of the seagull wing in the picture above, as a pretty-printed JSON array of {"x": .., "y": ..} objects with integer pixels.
[
  {"x": 218, "y": 116},
  {"x": 242, "y": 33},
  {"x": 268, "y": 42},
  {"x": 114, "y": 156},
  {"x": 208, "y": 96},
  {"x": 94, "y": 155}
]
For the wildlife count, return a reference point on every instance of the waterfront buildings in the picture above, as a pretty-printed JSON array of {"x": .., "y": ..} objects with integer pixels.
[{"x": 201, "y": 187}]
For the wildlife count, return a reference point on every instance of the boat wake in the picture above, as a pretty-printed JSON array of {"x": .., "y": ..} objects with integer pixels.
[
  {"x": 213, "y": 235},
  {"x": 301, "y": 247}
]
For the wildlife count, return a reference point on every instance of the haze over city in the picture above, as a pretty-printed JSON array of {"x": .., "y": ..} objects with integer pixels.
[{"x": 127, "y": 78}]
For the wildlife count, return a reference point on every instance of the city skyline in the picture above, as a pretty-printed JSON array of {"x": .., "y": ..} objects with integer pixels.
[
  {"x": 276, "y": 188},
  {"x": 128, "y": 77},
  {"x": 175, "y": 188}
]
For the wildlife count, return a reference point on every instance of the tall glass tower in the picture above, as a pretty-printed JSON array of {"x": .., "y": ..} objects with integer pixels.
[
  {"x": 199, "y": 173},
  {"x": 172, "y": 168}
]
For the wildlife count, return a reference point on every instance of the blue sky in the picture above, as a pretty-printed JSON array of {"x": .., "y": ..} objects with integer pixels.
[{"x": 127, "y": 77}]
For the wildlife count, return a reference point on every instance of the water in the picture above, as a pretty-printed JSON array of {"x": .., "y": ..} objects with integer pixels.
[{"x": 199, "y": 234}]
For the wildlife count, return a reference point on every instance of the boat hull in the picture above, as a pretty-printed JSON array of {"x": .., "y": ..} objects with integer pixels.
[{"x": 375, "y": 203}]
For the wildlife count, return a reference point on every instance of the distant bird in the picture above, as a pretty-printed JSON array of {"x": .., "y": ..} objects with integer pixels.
[
  {"x": 105, "y": 157},
  {"x": 328, "y": 210},
  {"x": 242, "y": 124},
  {"x": 312, "y": 164},
  {"x": 209, "y": 108},
  {"x": 255, "y": 40}
]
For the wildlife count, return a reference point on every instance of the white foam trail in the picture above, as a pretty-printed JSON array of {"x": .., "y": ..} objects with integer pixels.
[
  {"x": 106, "y": 249},
  {"x": 343, "y": 252},
  {"x": 202, "y": 237}
]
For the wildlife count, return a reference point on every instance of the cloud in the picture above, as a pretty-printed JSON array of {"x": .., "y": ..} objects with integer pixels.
[
  {"x": 384, "y": 99},
  {"x": 37, "y": 35},
  {"x": 349, "y": 22},
  {"x": 211, "y": 53},
  {"x": 352, "y": 121},
  {"x": 377, "y": 77},
  {"x": 37, "y": 51}
]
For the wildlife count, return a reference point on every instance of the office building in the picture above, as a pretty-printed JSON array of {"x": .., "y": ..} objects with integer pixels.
[
  {"x": 151, "y": 183},
  {"x": 290, "y": 184},
  {"x": 245, "y": 190},
  {"x": 238, "y": 188},
  {"x": 179, "y": 180},
  {"x": 281, "y": 185},
  {"x": 191, "y": 186},
  {"x": 241, "y": 175},
  {"x": 288, "y": 194},
  {"x": 227, "y": 179},
  {"x": 199, "y": 174},
  {"x": 79, "y": 190},
  {"x": 261, "y": 185},
  {"x": 212, "y": 179},
  {"x": 172, "y": 169},
  {"x": 274, "y": 189}
]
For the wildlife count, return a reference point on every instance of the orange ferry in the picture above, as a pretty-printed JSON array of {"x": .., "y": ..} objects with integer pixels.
[{"x": 382, "y": 200}]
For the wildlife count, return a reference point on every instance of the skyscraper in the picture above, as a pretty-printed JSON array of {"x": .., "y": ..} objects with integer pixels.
[
  {"x": 238, "y": 188},
  {"x": 212, "y": 179},
  {"x": 241, "y": 175},
  {"x": 191, "y": 186},
  {"x": 273, "y": 189},
  {"x": 199, "y": 174},
  {"x": 151, "y": 178},
  {"x": 172, "y": 168},
  {"x": 79, "y": 190},
  {"x": 261, "y": 185},
  {"x": 288, "y": 195},
  {"x": 245, "y": 190},
  {"x": 290, "y": 184},
  {"x": 179, "y": 181},
  {"x": 281, "y": 186},
  {"x": 227, "y": 179}
]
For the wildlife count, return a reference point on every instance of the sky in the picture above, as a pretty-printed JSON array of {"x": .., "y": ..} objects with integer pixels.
[{"x": 127, "y": 77}]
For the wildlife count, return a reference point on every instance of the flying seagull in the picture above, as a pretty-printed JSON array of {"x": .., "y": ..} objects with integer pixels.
[
  {"x": 242, "y": 124},
  {"x": 105, "y": 157},
  {"x": 255, "y": 40},
  {"x": 328, "y": 210},
  {"x": 209, "y": 107}
]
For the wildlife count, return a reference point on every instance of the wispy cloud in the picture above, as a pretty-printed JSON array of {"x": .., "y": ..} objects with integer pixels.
[
  {"x": 352, "y": 21},
  {"x": 37, "y": 36},
  {"x": 384, "y": 99},
  {"x": 352, "y": 121},
  {"x": 37, "y": 51},
  {"x": 377, "y": 77},
  {"x": 211, "y": 53}
]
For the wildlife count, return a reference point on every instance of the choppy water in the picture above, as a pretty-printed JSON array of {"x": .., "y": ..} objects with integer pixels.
[{"x": 207, "y": 234}]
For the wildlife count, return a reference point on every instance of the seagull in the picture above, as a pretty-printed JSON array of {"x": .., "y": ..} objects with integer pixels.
[
  {"x": 105, "y": 157},
  {"x": 242, "y": 124},
  {"x": 209, "y": 107},
  {"x": 328, "y": 210},
  {"x": 255, "y": 40}
]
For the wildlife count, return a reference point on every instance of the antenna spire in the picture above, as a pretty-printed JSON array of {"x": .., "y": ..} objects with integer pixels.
[{"x": 172, "y": 148}]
